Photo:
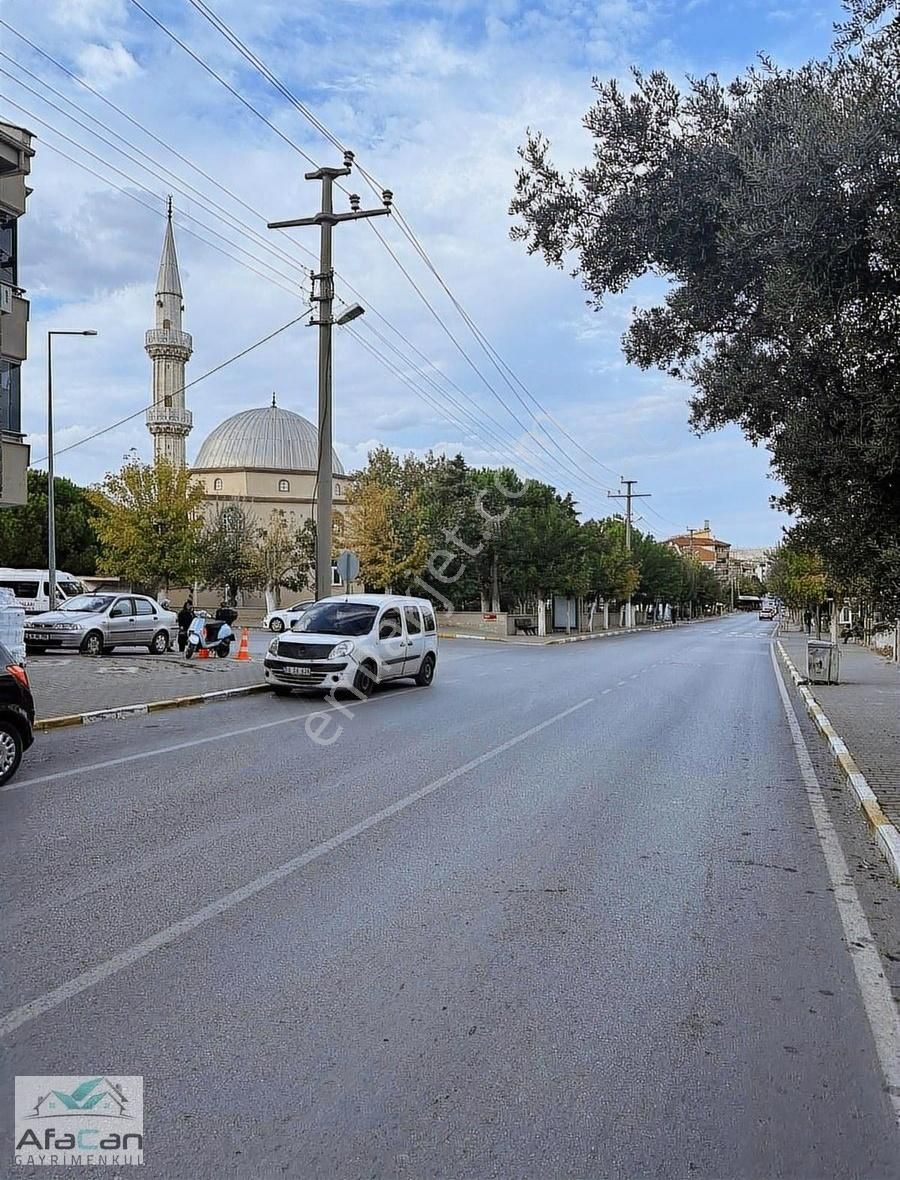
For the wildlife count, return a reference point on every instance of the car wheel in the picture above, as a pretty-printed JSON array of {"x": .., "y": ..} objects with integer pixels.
[
  {"x": 10, "y": 749},
  {"x": 364, "y": 682},
  {"x": 425, "y": 674},
  {"x": 277, "y": 625},
  {"x": 92, "y": 644},
  {"x": 159, "y": 644},
  {"x": 281, "y": 690}
]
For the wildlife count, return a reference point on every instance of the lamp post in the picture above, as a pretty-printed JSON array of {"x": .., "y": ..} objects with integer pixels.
[{"x": 51, "y": 497}]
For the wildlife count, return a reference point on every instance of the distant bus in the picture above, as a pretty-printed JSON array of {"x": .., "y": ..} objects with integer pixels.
[{"x": 749, "y": 602}]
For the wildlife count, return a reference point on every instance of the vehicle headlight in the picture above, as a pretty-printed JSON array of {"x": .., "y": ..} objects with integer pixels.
[
  {"x": 344, "y": 648},
  {"x": 68, "y": 626},
  {"x": 273, "y": 647}
]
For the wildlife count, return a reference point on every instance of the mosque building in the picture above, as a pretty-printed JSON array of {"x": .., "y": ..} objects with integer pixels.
[{"x": 263, "y": 458}]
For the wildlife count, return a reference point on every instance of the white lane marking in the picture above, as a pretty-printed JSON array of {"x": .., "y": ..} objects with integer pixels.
[
  {"x": 204, "y": 741},
  {"x": 882, "y": 1012},
  {"x": 605, "y": 691},
  {"x": 133, "y": 954},
  {"x": 620, "y": 684}
]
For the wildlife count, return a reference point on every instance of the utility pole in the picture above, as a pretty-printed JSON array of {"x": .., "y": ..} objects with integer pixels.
[
  {"x": 693, "y": 572},
  {"x": 628, "y": 496},
  {"x": 323, "y": 294}
]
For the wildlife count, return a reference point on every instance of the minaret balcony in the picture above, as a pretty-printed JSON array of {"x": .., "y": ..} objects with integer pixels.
[
  {"x": 169, "y": 418},
  {"x": 170, "y": 337}
]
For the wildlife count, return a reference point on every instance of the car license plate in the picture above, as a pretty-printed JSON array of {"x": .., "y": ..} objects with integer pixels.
[{"x": 298, "y": 670}]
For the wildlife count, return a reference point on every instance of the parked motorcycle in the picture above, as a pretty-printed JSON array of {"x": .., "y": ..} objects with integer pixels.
[{"x": 214, "y": 636}]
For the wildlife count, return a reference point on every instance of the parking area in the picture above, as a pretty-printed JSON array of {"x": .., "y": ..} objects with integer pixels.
[{"x": 73, "y": 683}]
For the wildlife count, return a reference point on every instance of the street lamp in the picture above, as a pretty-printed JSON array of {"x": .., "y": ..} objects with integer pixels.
[
  {"x": 353, "y": 312},
  {"x": 51, "y": 497}
]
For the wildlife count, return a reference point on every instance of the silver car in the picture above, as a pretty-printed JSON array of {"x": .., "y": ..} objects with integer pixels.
[{"x": 96, "y": 623}]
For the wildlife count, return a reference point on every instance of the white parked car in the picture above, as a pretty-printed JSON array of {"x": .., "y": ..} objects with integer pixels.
[
  {"x": 281, "y": 620},
  {"x": 355, "y": 642}
]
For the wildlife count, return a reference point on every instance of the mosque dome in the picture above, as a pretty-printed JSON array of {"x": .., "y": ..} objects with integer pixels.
[{"x": 269, "y": 438}]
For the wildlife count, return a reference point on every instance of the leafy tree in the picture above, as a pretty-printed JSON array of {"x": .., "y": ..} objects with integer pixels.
[
  {"x": 231, "y": 559},
  {"x": 797, "y": 575},
  {"x": 540, "y": 550},
  {"x": 386, "y": 527},
  {"x": 771, "y": 205},
  {"x": 23, "y": 528},
  {"x": 147, "y": 519},
  {"x": 611, "y": 575}
]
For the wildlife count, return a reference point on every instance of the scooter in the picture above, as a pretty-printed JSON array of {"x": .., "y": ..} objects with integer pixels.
[{"x": 211, "y": 635}]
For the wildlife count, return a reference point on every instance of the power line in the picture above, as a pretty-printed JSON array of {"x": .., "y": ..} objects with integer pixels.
[
  {"x": 187, "y": 385},
  {"x": 138, "y": 184},
  {"x": 566, "y": 463},
  {"x": 500, "y": 365},
  {"x": 518, "y": 448}
]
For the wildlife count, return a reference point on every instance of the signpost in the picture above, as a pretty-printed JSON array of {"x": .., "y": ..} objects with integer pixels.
[{"x": 348, "y": 566}]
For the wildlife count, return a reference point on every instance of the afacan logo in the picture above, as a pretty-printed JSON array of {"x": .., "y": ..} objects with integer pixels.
[{"x": 71, "y": 1121}]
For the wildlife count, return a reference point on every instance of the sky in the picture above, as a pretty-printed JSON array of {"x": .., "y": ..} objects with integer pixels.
[{"x": 434, "y": 99}]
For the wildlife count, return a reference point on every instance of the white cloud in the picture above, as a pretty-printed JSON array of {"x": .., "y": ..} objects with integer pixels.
[
  {"x": 102, "y": 66},
  {"x": 435, "y": 101}
]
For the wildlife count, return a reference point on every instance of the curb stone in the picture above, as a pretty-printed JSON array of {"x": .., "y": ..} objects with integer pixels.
[
  {"x": 549, "y": 641},
  {"x": 885, "y": 832},
  {"x": 124, "y": 711}
]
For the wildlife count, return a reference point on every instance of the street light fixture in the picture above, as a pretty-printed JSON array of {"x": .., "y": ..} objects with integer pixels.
[
  {"x": 51, "y": 496},
  {"x": 353, "y": 312}
]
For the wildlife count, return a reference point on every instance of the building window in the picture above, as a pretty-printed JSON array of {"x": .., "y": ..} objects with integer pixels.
[
  {"x": 337, "y": 489},
  {"x": 10, "y": 397},
  {"x": 8, "y": 249},
  {"x": 166, "y": 325},
  {"x": 217, "y": 485},
  {"x": 284, "y": 485}
]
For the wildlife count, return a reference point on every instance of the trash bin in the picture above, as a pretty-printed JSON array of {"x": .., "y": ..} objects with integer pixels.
[{"x": 823, "y": 661}]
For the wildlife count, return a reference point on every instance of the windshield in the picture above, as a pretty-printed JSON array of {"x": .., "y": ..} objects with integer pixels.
[
  {"x": 338, "y": 618},
  {"x": 92, "y": 603}
]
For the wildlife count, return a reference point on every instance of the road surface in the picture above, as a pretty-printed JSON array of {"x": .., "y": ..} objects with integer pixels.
[{"x": 564, "y": 914}]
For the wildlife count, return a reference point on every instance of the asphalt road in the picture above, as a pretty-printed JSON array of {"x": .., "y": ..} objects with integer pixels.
[{"x": 564, "y": 914}]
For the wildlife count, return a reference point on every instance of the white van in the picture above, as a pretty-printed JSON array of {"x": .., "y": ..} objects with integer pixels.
[
  {"x": 32, "y": 589},
  {"x": 355, "y": 642}
]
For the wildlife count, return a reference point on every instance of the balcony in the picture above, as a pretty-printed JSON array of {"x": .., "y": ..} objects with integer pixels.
[
  {"x": 169, "y": 336},
  {"x": 14, "y": 328},
  {"x": 14, "y": 457},
  {"x": 163, "y": 416}
]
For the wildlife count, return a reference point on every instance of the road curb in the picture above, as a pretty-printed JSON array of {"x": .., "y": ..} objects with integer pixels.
[
  {"x": 124, "y": 711},
  {"x": 886, "y": 834},
  {"x": 550, "y": 641}
]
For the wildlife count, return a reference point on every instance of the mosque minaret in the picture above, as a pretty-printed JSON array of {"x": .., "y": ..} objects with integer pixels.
[{"x": 169, "y": 348}]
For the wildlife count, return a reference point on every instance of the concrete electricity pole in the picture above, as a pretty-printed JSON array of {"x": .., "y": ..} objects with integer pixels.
[
  {"x": 323, "y": 294},
  {"x": 693, "y": 572},
  {"x": 628, "y": 496}
]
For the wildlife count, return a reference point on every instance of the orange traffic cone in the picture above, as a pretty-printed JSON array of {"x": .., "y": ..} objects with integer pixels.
[{"x": 243, "y": 652}]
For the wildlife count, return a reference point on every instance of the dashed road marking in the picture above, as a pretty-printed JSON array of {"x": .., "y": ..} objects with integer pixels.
[{"x": 170, "y": 934}]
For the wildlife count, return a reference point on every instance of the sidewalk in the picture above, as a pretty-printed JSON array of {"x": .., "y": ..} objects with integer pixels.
[
  {"x": 555, "y": 637},
  {"x": 864, "y": 709},
  {"x": 74, "y": 684}
]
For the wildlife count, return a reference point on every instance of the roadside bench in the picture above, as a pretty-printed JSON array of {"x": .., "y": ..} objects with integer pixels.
[{"x": 525, "y": 625}]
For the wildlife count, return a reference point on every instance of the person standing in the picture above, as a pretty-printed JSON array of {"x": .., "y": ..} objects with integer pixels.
[
  {"x": 185, "y": 618},
  {"x": 807, "y": 620}
]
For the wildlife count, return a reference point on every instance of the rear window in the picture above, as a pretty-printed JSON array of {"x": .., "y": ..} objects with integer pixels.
[
  {"x": 144, "y": 607},
  {"x": 428, "y": 618},
  {"x": 70, "y": 588},
  {"x": 22, "y": 589}
]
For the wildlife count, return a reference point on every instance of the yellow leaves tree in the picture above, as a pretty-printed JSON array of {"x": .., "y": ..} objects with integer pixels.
[
  {"x": 385, "y": 530},
  {"x": 148, "y": 520}
]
